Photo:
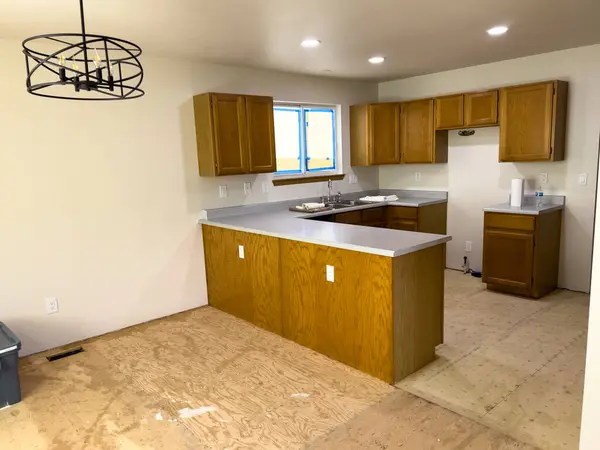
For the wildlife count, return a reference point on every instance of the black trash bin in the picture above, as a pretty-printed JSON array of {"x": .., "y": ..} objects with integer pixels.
[{"x": 10, "y": 388}]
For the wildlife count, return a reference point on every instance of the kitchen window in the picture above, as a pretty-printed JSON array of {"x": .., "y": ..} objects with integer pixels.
[{"x": 305, "y": 139}]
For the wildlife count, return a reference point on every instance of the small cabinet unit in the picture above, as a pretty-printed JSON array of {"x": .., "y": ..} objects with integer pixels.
[
  {"x": 449, "y": 112},
  {"x": 474, "y": 109},
  {"x": 520, "y": 252},
  {"x": 533, "y": 121},
  {"x": 481, "y": 109},
  {"x": 234, "y": 134},
  {"x": 374, "y": 132}
]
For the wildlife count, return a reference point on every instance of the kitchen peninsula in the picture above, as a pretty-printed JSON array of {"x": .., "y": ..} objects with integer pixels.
[{"x": 369, "y": 297}]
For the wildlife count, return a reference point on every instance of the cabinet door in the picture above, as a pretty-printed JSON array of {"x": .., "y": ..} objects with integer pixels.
[
  {"x": 261, "y": 134},
  {"x": 248, "y": 287},
  {"x": 449, "y": 112},
  {"x": 508, "y": 258},
  {"x": 229, "y": 133},
  {"x": 416, "y": 131},
  {"x": 481, "y": 108},
  {"x": 227, "y": 277},
  {"x": 384, "y": 145},
  {"x": 351, "y": 217},
  {"x": 526, "y": 122},
  {"x": 404, "y": 225}
]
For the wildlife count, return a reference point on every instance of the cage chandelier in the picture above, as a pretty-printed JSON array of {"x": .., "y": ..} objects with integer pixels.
[{"x": 81, "y": 66}]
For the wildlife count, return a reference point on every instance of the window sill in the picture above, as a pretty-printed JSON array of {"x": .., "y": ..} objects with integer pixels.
[{"x": 307, "y": 179}]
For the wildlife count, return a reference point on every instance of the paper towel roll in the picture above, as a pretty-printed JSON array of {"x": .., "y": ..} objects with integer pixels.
[{"x": 516, "y": 191}]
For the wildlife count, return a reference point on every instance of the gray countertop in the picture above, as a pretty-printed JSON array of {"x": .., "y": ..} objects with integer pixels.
[
  {"x": 529, "y": 207},
  {"x": 276, "y": 220}
]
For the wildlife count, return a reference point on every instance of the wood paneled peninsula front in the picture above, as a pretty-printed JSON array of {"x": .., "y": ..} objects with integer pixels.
[{"x": 370, "y": 297}]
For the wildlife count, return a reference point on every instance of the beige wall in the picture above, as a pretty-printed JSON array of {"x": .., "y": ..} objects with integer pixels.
[
  {"x": 475, "y": 179},
  {"x": 100, "y": 200}
]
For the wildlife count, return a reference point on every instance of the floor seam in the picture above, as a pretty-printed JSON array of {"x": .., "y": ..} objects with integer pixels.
[
  {"x": 502, "y": 335},
  {"x": 535, "y": 373}
]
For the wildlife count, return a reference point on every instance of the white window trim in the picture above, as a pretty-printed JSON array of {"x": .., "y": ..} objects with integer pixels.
[{"x": 338, "y": 140}]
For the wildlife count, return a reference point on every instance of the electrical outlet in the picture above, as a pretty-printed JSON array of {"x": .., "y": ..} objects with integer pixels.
[
  {"x": 417, "y": 176},
  {"x": 543, "y": 178},
  {"x": 241, "y": 251},
  {"x": 352, "y": 179},
  {"x": 247, "y": 188},
  {"x": 468, "y": 246},
  {"x": 51, "y": 305},
  {"x": 223, "y": 191},
  {"x": 265, "y": 187},
  {"x": 582, "y": 179},
  {"x": 329, "y": 271}
]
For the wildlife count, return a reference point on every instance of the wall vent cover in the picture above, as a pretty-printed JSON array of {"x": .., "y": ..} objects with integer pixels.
[{"x": 65, "y": 354}]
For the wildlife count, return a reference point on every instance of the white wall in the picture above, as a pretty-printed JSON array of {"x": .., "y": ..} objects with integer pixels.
[
  {"x": 100, "y": 200},
  {"x": 475, "y": 179}
]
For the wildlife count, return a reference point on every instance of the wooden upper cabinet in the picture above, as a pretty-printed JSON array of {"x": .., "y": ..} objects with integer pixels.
[
  {"x": 234, "y": 134},
  {"x": 417, "y": 139},
  {"x": 374, "y": 134},
  {"x": 481, "y": 109},
  {"x": 384, "y": 145},
  {"x": 449, "y": 112},
  {"x": 533, "y": 122},
  {"x": 261, "y": 134}
]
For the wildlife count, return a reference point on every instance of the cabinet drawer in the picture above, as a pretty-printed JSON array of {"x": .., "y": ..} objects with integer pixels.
[
  {"x": 405, "y": 225},
  {"x": 510, "y": 221},
  {"x": 402, "y": 212},
  {"x": 373, "y": 215}
]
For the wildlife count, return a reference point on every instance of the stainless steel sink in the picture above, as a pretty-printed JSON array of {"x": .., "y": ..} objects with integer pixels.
[{"x": 345, "y": 204}]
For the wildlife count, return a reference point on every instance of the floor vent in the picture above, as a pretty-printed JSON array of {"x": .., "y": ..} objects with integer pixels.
[{"x": 65, "y": 354}]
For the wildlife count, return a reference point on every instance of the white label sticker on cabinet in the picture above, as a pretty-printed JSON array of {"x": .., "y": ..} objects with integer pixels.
[
  {"x": 329, "y": 273},
  {"x": 241, "y": 248}
]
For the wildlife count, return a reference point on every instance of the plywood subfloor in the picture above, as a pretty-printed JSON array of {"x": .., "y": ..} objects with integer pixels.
[
  {"x": 514, "y": 364},
  {"x": 125, "y": 391}
]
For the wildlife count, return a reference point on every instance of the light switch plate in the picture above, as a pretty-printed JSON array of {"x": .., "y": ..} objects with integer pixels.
[
  {"x": 468, "y": 246},
  {"x": 223, "y": 191},
  {"x": 265, "y": 187},
  {"x": 417, "y": 176},
  {"x": 330, "y": 273},
  {"x": 241, "y": 251},
  {"x": 247, "y": 188},
  {"x": 352, "y": 179},
  {"x": 543, "y": 178},
  {"x": 582, "y": 179}
]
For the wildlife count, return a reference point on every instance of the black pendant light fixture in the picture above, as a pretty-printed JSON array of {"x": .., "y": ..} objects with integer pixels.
[{"x": 80, "y": 66}]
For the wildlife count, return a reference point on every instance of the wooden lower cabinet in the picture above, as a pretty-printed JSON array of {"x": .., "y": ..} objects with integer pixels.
[
  {"x": 521, "y": 252},
  {"x": 381, "y": 315},
  {"x": 424, "y": 219}
]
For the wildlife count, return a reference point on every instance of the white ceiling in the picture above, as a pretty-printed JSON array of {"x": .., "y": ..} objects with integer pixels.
[{"x": 416, "y": 36}]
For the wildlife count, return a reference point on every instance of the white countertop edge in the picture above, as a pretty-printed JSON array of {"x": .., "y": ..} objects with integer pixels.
[
  {"x": 358, "y": 248},
  {"x": 529, "y": 212},
  {"x": 367, "y": 205}
]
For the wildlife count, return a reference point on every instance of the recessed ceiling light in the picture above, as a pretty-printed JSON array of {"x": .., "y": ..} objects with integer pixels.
[
  {"x": 310, "y": 43},
  {"x": 376, "y": 59},
  {"x": 497, "y": 31}
]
